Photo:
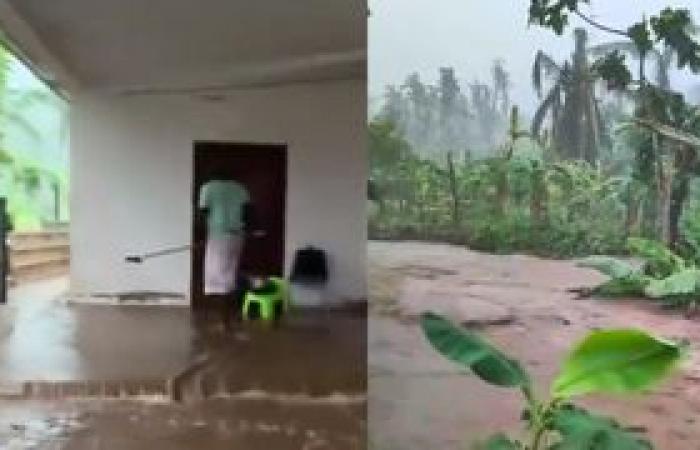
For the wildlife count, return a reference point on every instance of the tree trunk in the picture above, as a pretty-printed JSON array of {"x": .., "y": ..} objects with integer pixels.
[
  {"x": 679, "y": 195},
  {"x": 665, "y": 169},
  {"x": 539, "y": 199},
  {"x": 665, "y": 210},
  {"x": 632, "y": 224},
  {"x": 454, "y": 190},
  {"x": 685, "y": 161},
  {"x": 502, "y": 189}
]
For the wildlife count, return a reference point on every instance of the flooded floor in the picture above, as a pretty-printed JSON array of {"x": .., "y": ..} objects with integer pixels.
[
  {"x": 43, "y": 338},
  {"x": 212, "y": 424},
  {"x": 418, "y": 401},
  {"x": 79, "y": 376}
]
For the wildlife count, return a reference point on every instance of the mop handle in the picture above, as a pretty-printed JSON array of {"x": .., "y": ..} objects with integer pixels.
[
  {"x": 168, "y": 251},
  {"x": 138, "y": 259}
]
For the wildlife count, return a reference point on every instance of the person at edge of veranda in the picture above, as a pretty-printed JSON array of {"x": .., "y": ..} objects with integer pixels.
[{"x": 226, "y": 207}]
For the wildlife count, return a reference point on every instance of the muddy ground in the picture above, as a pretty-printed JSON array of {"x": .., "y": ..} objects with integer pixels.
[{"x": 418, "y": 401}]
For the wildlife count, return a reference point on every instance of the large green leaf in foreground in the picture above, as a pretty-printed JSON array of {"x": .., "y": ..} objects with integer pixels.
[
  {"x": 467, "y": 349},
  {"x": 581, "y": 430},
  {"x": 616, "y": 361}
]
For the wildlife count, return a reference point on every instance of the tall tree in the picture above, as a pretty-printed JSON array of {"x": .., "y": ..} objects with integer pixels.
[
  {"x": 420, "y": 116},
  {"x": 439, "y": 118},
  {"x": 491, "y": 104},
  {"x": 501, "y": 86},
  {"x": 674, "y": 30},
  {"x": 483, "y": 103},
  {"x": 576, "y": 125},
  {"x": 449, "y": 107},
  {"x": 394, "y": 106}
]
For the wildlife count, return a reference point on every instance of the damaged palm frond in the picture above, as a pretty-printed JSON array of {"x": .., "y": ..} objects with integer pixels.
[{"x": 544, "y": 65}]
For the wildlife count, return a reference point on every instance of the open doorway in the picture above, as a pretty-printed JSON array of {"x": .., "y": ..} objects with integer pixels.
[{"x": 262, "y": 169}]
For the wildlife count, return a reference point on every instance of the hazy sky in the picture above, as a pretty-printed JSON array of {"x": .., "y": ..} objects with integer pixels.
[{"x": 423, "y": 35}]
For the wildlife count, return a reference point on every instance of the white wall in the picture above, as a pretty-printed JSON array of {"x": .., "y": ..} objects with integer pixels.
[{"x": 131, "y": 175}]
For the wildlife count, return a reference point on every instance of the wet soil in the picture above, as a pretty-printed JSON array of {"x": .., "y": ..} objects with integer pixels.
[{"x": 418, "y": 401}]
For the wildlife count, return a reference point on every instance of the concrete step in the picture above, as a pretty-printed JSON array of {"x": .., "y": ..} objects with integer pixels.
[
  {"x": 40, "y": 270},
  {"x": 23, "y": 258},
  {"x": 39, "y": 238},
  {"x": 59, "y": 390},
  {"x": 39, "y": 255},
  {"x": 24, "y": 247}
]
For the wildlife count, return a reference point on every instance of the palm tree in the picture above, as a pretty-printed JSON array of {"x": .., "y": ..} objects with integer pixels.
[
  {"x": 491, "y": 103},
  {"x": 576, "y": 125},
  {"x": 673, "y": 143},
  {"x": 662, "y": 58}
]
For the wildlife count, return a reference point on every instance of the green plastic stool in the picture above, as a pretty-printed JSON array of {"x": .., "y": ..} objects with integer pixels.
[{"x": 267, "y": 300}]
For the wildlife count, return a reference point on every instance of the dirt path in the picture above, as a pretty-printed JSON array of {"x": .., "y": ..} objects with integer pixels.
[{"x": 420, "y": 402}]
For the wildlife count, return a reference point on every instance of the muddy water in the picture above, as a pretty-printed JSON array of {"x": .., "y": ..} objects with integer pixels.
[
  {"x": 418, "y": 401},
  {"x": 142, "y": 377},
  {"x": 214, "y": 424}
]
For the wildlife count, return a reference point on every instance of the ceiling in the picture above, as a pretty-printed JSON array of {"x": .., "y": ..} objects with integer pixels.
[{"x": 190, "y": 44}]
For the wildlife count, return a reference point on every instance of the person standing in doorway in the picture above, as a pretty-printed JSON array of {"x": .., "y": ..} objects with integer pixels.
[{"x": 226, "y": 207}]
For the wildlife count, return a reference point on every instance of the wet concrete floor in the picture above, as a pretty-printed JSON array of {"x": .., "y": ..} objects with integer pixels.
[
  {"x": 301, "y": 385},
  {"x": 43, "y": 338},
  {"x": 212, "y": 424}
]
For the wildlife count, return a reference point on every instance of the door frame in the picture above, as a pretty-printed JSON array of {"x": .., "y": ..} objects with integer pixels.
[{"x": 204, "y": 146}]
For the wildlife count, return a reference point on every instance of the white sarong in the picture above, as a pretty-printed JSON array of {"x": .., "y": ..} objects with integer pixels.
[{"x": 221, "y": 259}]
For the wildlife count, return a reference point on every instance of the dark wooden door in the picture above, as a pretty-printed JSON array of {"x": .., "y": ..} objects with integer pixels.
[{"x": 262, "y": 169}]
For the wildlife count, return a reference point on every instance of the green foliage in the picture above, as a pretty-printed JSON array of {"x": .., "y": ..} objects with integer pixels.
[
  {"x": 606, "y": 361},
  {"x": 29, "y": 176},
  {"x": 659, "y": 260},
  {"x": 581, "y": 430},
  {"x": 625, "y": 279},
  {"x": 670, "y": 27},
  {"x": 663, "y": 276},
  {"x": 576, "y": 126},
  {"x": 388, "y": 147},
  {"x": 690, "y": 224},
  {"x": 26, "y": 180},
  {"x": 609, "y": 266},
  {"x": 615, "y": 361},
  {"x": 469, "y": 350},
  {"x": 682, "y": 283},
  {"x": 437, "y": 118},
  {"x": 513, "y": 203},
  {"x": 553, "y": 14},
  {"x": 630, "y": 286},
  {"x": 673, "y": 28},
  {"x": 641, "y": 37},
  {"x": 613, "y": 68},
  {"x": 498, "y": 442}
]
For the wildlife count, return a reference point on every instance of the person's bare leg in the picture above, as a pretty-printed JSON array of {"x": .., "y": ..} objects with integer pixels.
[{"x": 226, "y": 311}]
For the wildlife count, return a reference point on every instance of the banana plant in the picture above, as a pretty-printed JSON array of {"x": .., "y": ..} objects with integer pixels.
[
  {"x": 615, "y": 361},
  {"x": 663, "y": 275}
]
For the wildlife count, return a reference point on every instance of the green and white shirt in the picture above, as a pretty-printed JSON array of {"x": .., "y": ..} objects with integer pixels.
[{"x": 224, "y": 199}]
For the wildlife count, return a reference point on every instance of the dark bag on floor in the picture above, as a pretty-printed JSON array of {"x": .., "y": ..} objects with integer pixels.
[{"x": 310, "y": 266}]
